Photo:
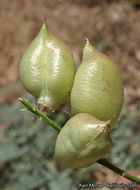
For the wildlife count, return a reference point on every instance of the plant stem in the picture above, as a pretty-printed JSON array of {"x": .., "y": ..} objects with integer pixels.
[
  {"x": 34, "y": 110},
  {"x": 117, "y": 170},
  {"x": 103, "y": 161}
]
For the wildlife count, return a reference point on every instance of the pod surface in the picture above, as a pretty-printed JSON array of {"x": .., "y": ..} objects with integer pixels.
[
  {"x": 47, "y": 69},
  {"x": 82, "y": 141},
  {"x": 98, "y": 87}
]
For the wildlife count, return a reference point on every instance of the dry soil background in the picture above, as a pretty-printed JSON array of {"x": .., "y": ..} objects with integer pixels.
[{"x": 114, "y": 26}]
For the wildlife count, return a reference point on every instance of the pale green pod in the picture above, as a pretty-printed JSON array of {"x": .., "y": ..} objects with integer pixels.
[
  {"x": 47, "y": 69},
  {"x": 82, "y": 141},
  {"x": 98, "y": 87}
]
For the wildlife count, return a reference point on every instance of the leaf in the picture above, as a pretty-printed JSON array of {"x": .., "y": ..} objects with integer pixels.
[
  {"x": 28, "y": 182},
  {"x": 11, "y": 152},
  {"x": 63, "y": 182}
]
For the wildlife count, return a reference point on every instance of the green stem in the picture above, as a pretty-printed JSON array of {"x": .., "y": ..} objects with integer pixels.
[
  {"x": 103, "y": 161},
  {"x": 39, "y": 114},
  {"x": 117, "y": 170}
]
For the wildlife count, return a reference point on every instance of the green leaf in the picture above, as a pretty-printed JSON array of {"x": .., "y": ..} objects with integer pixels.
[
  {"x": 10, "y": 152},
  {"x": 28, "y": 182}
]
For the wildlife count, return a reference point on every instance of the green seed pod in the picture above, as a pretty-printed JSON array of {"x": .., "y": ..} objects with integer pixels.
[
  {"x": 47, "y": 69},
  {"x": 98, "y": 87},
  {"x": 82, "y": 141}
]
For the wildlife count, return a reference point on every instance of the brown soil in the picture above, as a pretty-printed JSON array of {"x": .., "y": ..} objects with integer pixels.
[{"x": 111, "y": 25}]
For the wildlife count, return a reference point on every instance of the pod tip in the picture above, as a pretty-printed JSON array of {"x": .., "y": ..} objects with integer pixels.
[
  {"x": 87, "y": 41},
  {"x": 44, "y": 25},
  {"x": 44, "y": 30},
  {"x": 88, "y": 49}
]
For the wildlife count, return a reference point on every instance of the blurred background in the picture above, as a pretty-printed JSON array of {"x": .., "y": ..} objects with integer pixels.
[{"x": 26, "y": 143}]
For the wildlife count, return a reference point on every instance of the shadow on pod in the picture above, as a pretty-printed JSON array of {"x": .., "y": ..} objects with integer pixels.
[
  {"x": 82, "y": 141},
  {"x": 47, "y": 69}
]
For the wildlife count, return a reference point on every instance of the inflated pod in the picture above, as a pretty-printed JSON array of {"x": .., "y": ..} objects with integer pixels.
[
  {"x": 82, "y": 141},
  {"x": 98, "y": 87},
  {"x": 47, "y": 69}
]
